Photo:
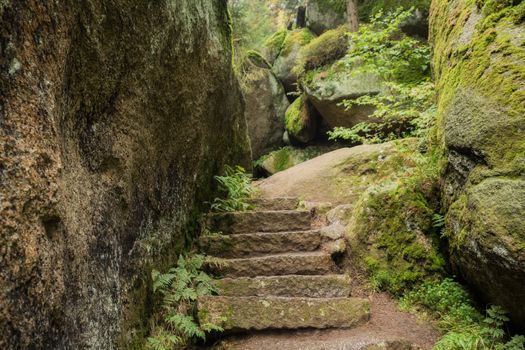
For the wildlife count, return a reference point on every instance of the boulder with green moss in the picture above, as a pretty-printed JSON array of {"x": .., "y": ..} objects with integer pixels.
[
  {"x": 323, "y": 15},
  {"x": 323, "y": 50},
  {"x": 266, "y": 104},
  {"x": 479, "y": 59},
  {"x": 286, "y": 158},
  {"x": 328, "y": 87},
  {"x": 287, "y": 59},
  {"x": 273, "y": 45},
  {"x": 301, "y": 121}
]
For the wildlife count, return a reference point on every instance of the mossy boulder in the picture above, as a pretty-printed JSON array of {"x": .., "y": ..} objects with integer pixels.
[
  {"x": 273, "y": 45},
  {"x": 392, "y": 236},
  {"x": 301, "y": 121},
  {"x": 323, "y": 50},
  {"x": 286, "y": 158},
  {"x": 328, "y": 87},
  {"x": 266, "y": 105},
  {"x": 487, "y": 236},
  {"x": 287, "y": 59},
  {"x": 323, "y": 15},
  {"x": 479, "y": 63}
]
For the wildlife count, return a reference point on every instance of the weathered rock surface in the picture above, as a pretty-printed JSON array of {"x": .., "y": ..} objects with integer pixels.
[
  {"x": 278, "y": 203},
  {"x": 260, "y": 221},
  {"x": 228, "y": 246},
  {"x": 481, "y": 118},
  {"x": 323, "y": 286},
  {"x": 254, "y": 313},
  {"x": 340, "y": 176},
  {"x": 327, "y": 91},
  {"x": 114, "y": 117},
  {"x": 314, "y": 263},
  {"x": 266, "y": 104},
  {"x": 323, "y": 15}
]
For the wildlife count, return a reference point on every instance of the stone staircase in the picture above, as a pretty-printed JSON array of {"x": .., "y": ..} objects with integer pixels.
[{"x": 276, "y": 272}]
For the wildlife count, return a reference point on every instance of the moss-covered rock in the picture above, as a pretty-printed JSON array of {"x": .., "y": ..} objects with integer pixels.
[
  {"x": 301, "y": 121},
  {"x": 115, "y": 117},
  {"x": 391, "y": 234},
  {"x": 287, "y": 59},
  {"x": 266, "y": 104},
  {"x": 327, "y": 87},
  {"x": 323, "y": 50},
  {"x": 479, "y": 64},
  {"x": 273, "y": 45},
  {"x": 286, "y": 158},
  {"x": 323, "y": 15}
]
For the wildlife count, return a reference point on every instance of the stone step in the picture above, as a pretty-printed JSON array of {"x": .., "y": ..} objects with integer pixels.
[
  {"x": 328, "y": 286},
  {"x": 352, "y": 339},
  {"x": 315, "y": 263},
  {"x": 260, "y": 221},
  {"x": 280, "y": 203},
  {"x": 256, "y": 313},
  {"x": 253, "y": 244}
]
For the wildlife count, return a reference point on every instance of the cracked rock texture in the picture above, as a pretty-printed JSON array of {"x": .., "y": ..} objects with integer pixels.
[{"x": 114, "y": 116}]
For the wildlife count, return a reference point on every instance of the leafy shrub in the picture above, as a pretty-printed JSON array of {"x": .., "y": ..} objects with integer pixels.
[
  {"x": 179, "y": 288},
  {"x": 464, "y": 327},
  {"x": 237, "y": 188},
  {"x": 402, "y": 110},
  {"x": 406, "y": 107}
]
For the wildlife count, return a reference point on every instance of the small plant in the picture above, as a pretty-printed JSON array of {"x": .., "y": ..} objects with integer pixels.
[
  {"x": 463, "y": 326},
  {"x": 179, "y": 288},
  {"x": 406, "y": 106},
  {"x": 236, "y": 187}
]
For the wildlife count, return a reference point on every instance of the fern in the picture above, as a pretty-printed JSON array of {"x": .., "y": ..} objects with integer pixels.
[
  {"x": 179, "y": 288},
  {"x": 236, "y": 188},
  {"x": 464, "y": 327}
]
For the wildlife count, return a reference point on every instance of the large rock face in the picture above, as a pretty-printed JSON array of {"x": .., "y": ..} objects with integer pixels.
[
  {"x": 114, "y": 117},
  {"x": 266, "y": 104},
  {"x": 479, "y": 60}
]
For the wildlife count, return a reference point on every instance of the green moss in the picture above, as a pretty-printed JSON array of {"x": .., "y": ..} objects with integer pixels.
[
  {"x": 299, "y": 37},
  {"x": 288, "y": 157},
  {"x": 295, "y": 117},
  {"x": 484, "y": 63},
  {"x": 391, "y": 232},
  {"x": 257, "y": 59},
  {"x": 274, "y": 44},
  {"x": 325, "y": 49}
]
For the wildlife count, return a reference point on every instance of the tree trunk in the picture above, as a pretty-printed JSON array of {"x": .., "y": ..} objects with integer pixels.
[{"x": 353, "y": 19}]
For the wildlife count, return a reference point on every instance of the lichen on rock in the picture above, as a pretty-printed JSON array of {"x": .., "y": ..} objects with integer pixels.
[{"x": 479, "y": 59}]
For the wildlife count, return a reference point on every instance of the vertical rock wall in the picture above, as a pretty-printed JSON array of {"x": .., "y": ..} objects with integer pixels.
[
  {"x": 114, "y": 116},
  {"x": 479, "y": 60}
]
